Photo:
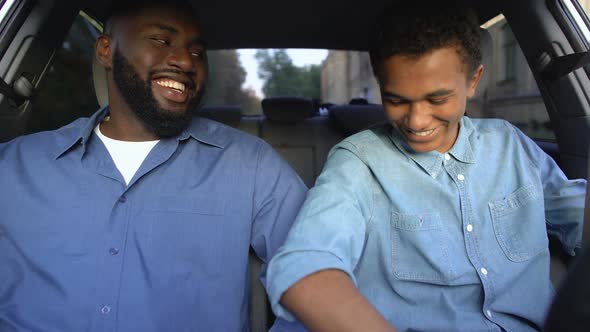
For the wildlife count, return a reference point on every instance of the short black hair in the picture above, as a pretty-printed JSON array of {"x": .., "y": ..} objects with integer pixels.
[
  {"x": 120, "y": 8},
  {"x": 414, "y": 31}
]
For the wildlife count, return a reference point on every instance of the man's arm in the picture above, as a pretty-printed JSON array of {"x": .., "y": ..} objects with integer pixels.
[
  {"x": 564, "y": 198},
  {"x": 311, "y": 277},
  {"x": 278, "y": 196},
  {"x": 329, "y": 301}
]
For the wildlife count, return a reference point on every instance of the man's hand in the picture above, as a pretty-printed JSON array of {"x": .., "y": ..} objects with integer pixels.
[{"x": 328, "y": 301}]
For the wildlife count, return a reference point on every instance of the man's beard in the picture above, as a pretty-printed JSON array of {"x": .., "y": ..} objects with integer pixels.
[{"x": 140, "y": 98}]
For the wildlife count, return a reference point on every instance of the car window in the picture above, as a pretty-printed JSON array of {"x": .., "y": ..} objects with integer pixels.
[
  {"x": 577, "y": 12},
  {"x": 5, "y": 7},
  {"x": 343, "y": 76},
  {"x": 512, "y": 92},
  {"x": 225, "y": 84},
  {"x": 67, "y": 92},
  {"x": 244, "y": 77},
  {"x": 347, "y": 76}
]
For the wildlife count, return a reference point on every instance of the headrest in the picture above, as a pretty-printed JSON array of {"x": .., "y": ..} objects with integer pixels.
[
  {"x": 99, "y": 76},
  {"x": 287, "y": 110},
  {"x": 487, "y": 59},
  {"x": 226, "y": 114},
  {"x": 351, "y": 119}
]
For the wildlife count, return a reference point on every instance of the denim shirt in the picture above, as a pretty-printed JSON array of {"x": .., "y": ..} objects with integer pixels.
[
  {"x": 82, "y": 251},
  {"x": 435, "y": 241}
]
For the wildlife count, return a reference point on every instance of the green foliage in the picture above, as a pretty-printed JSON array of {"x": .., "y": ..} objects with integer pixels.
[
  {"x": 224, "y": 85},
  {"x": 282, "y": 78}
]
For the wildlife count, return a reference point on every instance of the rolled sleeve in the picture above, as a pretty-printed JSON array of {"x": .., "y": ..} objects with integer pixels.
[
  {"x": 564, "y": 199},
  {"x": 329, "y": 232},
  {"x": 564, "y": 206},
  {"x": 293, "y": 266}
]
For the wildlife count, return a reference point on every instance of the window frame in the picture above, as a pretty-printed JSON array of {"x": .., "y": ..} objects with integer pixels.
[
  {"x": 15, "y": 17},
  {"x": 509, "y": 48},
  {"x": 583, "y": 32}
]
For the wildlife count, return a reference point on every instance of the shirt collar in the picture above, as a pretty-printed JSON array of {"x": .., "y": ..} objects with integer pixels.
[
  {"x": 462, "y": 149},
  {"x": 431, "y": 161},
  {"x": 206, "y": 131},
  {"x": 79, "y": 132}
]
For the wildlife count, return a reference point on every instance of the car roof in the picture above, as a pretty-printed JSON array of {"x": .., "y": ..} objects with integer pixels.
[{"x": 327, "y": 24}]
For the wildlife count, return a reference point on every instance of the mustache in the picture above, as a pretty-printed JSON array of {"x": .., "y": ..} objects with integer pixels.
[{"x": 187, "y": 74}]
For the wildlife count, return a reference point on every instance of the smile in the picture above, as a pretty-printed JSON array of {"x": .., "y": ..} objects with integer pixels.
[
  {"x": 168, "y": 83},
  {"x": 421, "y": 133}
]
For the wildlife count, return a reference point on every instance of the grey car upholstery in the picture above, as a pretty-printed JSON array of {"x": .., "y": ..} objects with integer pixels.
[
  {"x": 287, "y": 110},
  {"x": 351, "y": 119},
  {"x": 301, "y": 138},
  {"x": 99, "y": 78},
  {"x": 476, "y": 104},
  {"x": 227, "y": 114}
]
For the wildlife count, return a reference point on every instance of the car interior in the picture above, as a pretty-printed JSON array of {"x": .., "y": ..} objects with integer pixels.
[{"x": 552, "y": 35}]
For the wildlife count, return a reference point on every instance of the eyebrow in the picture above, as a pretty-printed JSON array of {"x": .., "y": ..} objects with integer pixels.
[
  {"x": 195, "y": 41},
  {"x": 165, "y": 27},
  {"x": 434, "y": 94}
]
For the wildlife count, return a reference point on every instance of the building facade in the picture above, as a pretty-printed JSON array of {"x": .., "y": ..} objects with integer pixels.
[{"x": 348, "y": 75}]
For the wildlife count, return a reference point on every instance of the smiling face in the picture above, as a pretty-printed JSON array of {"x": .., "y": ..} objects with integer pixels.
[
  {"x": 425, "y": 96},
  {"x": 158, "y": 68}
]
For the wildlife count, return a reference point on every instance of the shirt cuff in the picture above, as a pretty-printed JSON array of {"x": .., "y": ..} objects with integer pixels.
[{"x": 287, "y": 268}]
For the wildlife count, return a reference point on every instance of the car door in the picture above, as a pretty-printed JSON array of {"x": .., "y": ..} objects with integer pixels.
[{"x": 31, "y": 38}]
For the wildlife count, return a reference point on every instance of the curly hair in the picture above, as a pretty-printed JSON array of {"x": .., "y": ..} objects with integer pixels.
[{"x": 413, "y": 31}]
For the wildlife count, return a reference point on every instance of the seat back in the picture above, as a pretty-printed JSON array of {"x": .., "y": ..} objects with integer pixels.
[
  {"x": 261, "y": 316},
  {"x": 226, "y": 114},
  {"x": 99, "y": 78},
  {"x": 301, "y": 138},
  {"x": 351, "y": 119},
  {"x": 476, "y": 105}
]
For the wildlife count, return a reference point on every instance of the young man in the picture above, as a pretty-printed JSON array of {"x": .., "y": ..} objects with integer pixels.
[
  {"x": 140, "y": 218},
  {"x": 435, "y": 222}
]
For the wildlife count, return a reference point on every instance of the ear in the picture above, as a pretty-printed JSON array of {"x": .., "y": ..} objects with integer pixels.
[
  {"x": 104, "y": 51},
  {"x": 474, "y": 81}
]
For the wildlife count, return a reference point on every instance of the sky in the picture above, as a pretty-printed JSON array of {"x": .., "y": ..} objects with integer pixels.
[{"x": 300, "y": 57}]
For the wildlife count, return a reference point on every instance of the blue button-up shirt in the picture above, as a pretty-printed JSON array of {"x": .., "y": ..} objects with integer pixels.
[
  {"x": 435, "y": 241},
  {"x": 82, "y": 251}
]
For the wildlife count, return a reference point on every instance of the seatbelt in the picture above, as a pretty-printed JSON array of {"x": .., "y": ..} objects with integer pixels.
[
  {"x": 19, "y": 92},
  {"x": 554, "y": 68}
]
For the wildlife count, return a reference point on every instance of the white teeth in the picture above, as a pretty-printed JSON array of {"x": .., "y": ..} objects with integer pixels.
[
  {"x": 171, "y": 84},
  {"x": 422, "y": 133}
]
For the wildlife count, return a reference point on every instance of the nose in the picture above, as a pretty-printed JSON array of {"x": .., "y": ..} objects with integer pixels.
[
  {"x": 181, "y": 58},
  {"x": 418, "y": 117}
]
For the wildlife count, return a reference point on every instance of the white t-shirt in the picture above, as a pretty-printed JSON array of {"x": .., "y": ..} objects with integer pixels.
[{"x": 127, "y": 156}]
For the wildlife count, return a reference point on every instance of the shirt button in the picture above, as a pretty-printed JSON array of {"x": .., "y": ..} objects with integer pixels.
[
  {"x": 469, "y": 228},
  {"x": 484, "y": 271},
  {"x": 122, "y": 199},
  {"x": 461, "y": 177},
  {"x": 105, "y": 310},
  {"x": 113, "y": 251},
  {"x": 489, "y": 313},
  {"x": 447, "y": 157}
]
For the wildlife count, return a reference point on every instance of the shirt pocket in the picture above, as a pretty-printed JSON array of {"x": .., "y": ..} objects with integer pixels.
[
  {"x": 420, "y": 249},
  {"x": 519, "y": 223}
]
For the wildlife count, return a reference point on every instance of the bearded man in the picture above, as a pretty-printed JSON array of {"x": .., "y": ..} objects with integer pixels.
[{"x": 140, "y": 218}]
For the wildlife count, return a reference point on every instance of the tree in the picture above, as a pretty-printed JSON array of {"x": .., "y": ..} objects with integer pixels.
[
  {"x": 224, "y": 85},
  {"x": 282, "y": 78}
]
